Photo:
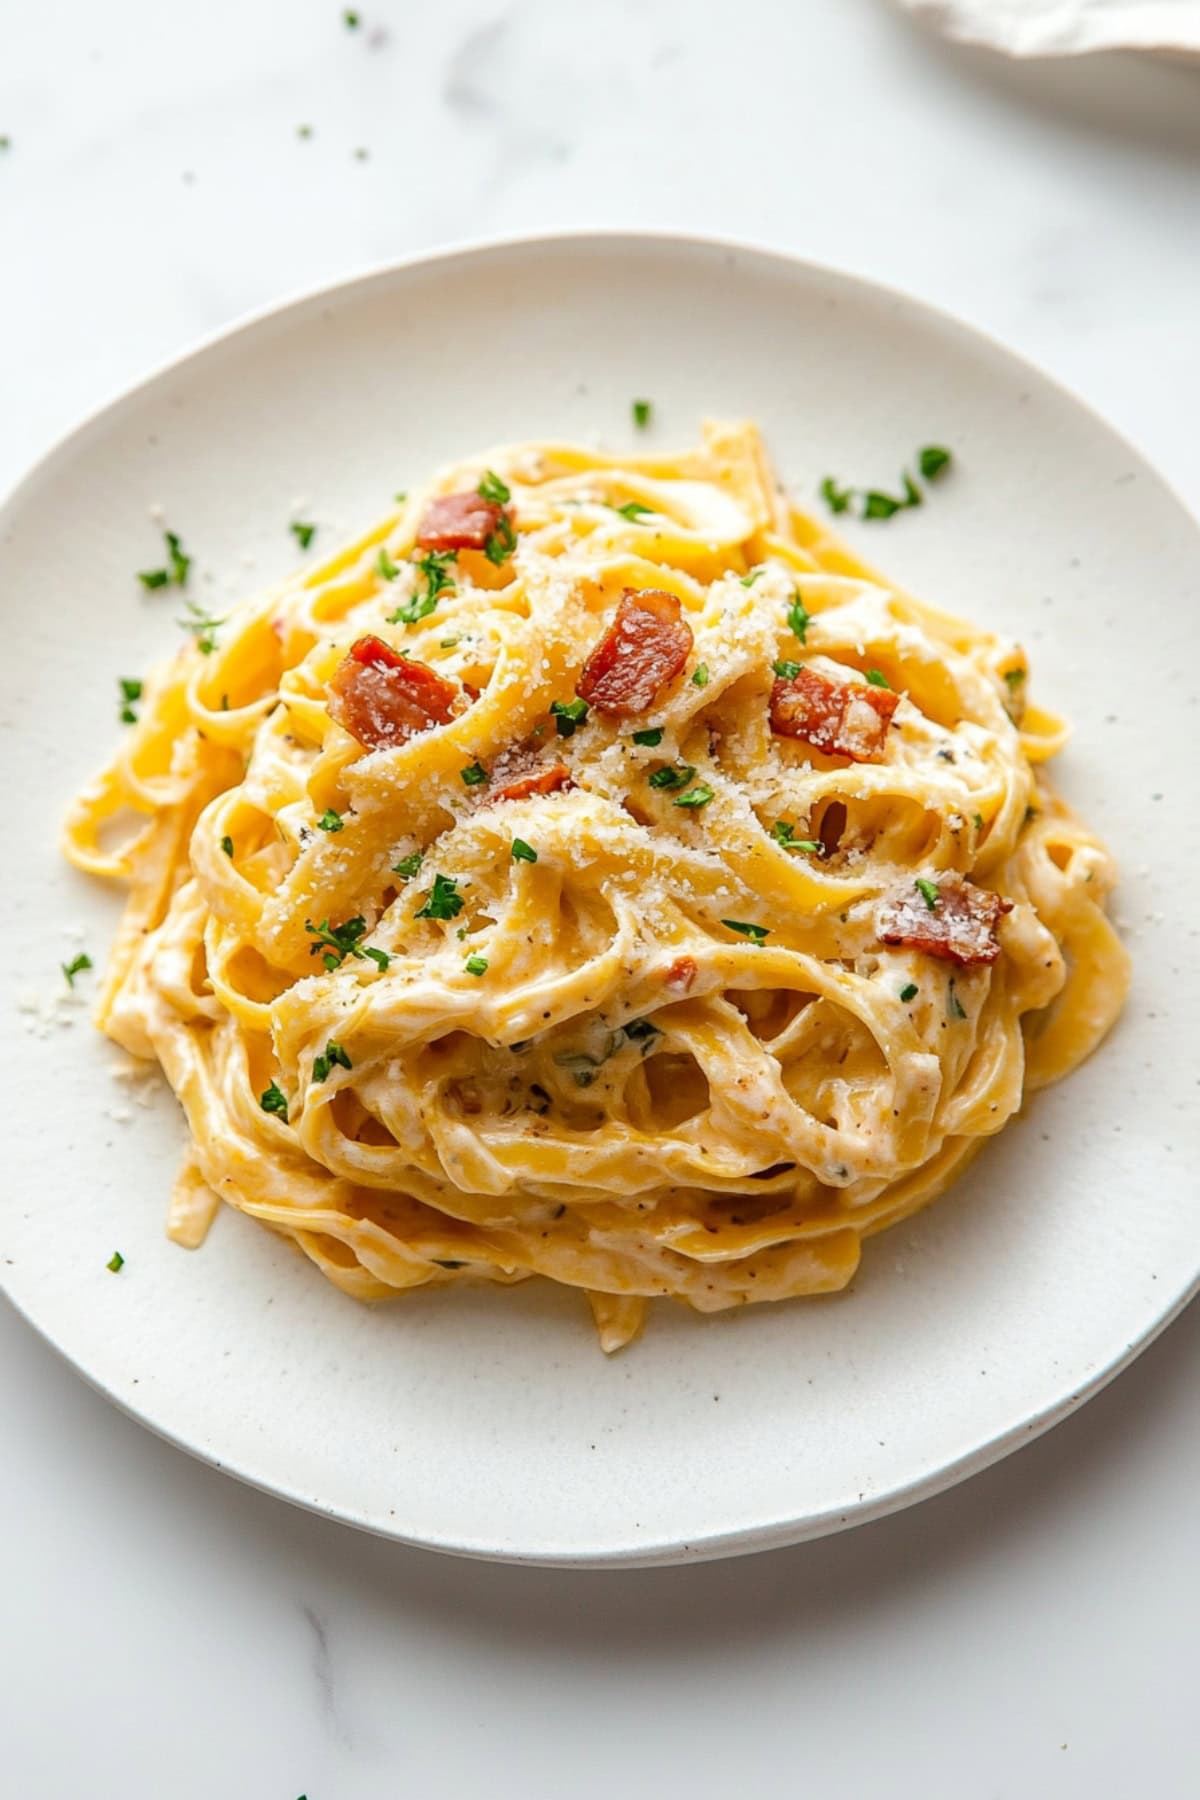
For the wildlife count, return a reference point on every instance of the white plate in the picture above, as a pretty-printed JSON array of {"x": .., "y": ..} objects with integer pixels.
[{"x": 489, "y": 1423}]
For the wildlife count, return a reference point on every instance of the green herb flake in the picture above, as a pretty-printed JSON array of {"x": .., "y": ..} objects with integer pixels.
[
  {"x": 274, "y": 1100},
  {"x": 333, "y": 1056},
  {"x": 954, "y": 1006},
  {"x": 443, "y": 900},
  {"x": 523, "y": 852},
  {"x": 880, "y": 506},
  {"x": 798, "y": 617},
  {"x": 633, "y": 510},
  {"x": 474, "y": 775},
  {"x": 932, "y": 460},
  {"x": 836, "y": 497},
  {"x": 493, "y": 489},
  {"x": 978, "y": 821},
  {"x": 672, "y": 776},
  {"x": 450, "y": 643},
  {"x": 227, "y": 846},
  {"x": 75, "y": 967},
  {"x": 409, "y": 866},
  {"x": 756, "y": 933},
  {"x": 649, "y": 739},
  {"x": 130, "y": 690},
  {"x": 877, "y": 678},
  {"x": 330, "y": 820},
  {"x": 642, "y": 411},
  {"x": 153, "y": 578},
  {"x": 700, "y": 675},
  {"x": 909, "y": 991},
  {"x": 337, "y": 941},
  {"x": 786, "y": 671},
  {"x": 1014, "y": 678},
  {"x": 476, "y": 965},
  {"x": 929, "y": 892},
  {"x": 304, "y": 131},
  {"x": 116, "y": 1262},
  {"x": 785, "y": 834},
  {"x": 351, "y": 20},
  {"x": 385, "y": 566},
  {"x": 433, "y": 566},
  {"x": 568, "y": 716},
  {"x": 303, "y": 534},
  {"x": 750, "y": 579},
  {"x": 380, "y": 958},
  {"x": 202, "y": 626},
  {"x": 501, "y": 543},
  {"x": 177, "y": 557},
  {"x": 700, "y": 795}
]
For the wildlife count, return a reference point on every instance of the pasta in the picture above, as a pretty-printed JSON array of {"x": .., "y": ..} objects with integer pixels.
[{"x": 594, "y": 872}]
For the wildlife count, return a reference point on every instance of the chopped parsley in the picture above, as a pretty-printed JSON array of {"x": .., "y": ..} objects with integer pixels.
[
  {"x": 954, "y": 1006},
  {"x": 929, "y": 892},
  {"x": 568, "y": 716},
  {"x": 700, "y": 795},
  {"x": 750, "y": 579},
  {"x": 836, "y": 498},
  {"x": 443, "y": 901},
  {"x": 786, "y": 671},
  {"x": 116, "y": 1262},
  {"x": 450, "y": 643},
  {"x": 501, "y": 543},
  {"x": 633, "y": 510},
  {"x": 877, "y": 678},
  {"x": 493, "y": 489},
  {"x": 274, "y": 1100},
  {"x": 649, "y": 739},
  {"x": 474, "y": 775},
  {"x": 755, "y": 932},
  {"x": 433, "y": 566},
  {"x": 333, "y": 1056},
  {"x": 303, "y": 534},
  {"x": 75, "y": 967},
  {"x": 304, "y": 131},
  {"x": 798, "y": 616},
  {"x": 641, "y": 410},
  {"x": 978, "y": 818},
  {"x": 785, "y": 835},
  {"x": 385, "y": 566},
  {"x": 341, "y": 941},
  {"x": 1014, "y": 678},
  {"x": 227, "y": 846},
  {"x": 409, "y": 866},
  {"x": 476, "y": 965},
  {"x": 330, "y": 820},
  {"x": 932, "y": 460},
  {"x": 523, "y": 852},
  {"x": 909, "y": 991},
  {"x": 178, "y": 563},
  {"x": 350, "y": 20},
  {"x": 131, "y": 690},
  {"x": 878, "y": 505},
  {"x": 700, "y": 675},
  {"x": 202, "y": 626},
  {"x": 672, "y": 776}
]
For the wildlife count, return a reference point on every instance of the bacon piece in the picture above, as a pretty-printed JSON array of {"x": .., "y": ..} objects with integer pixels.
[
  {"x": 845, "y": 718},
  {"x": 540, "y": 781},
  {"x": 681, "y": 973},
  {"x": 459, "y": 522},
  {"x": 643, "y": 649},
  {"x": 384, "y": 698},
  {"x": 960, "y": 926}
]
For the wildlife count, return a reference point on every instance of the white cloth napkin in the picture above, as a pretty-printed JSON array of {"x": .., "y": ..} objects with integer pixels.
[{"x": 1066, "y": 27}]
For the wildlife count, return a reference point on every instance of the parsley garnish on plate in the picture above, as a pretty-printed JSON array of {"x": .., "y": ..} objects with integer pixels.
[
  {"x": 116, "y": 1262},
  {"x": 303, "y": 534},
  {"x": 785, "y": 835},
  {"x": 474, "y": 775},
  {"x": 641, "y": 410},
  {"x": 476, "y": 965},
  {"x": 274, "y": 1100},
  {"x": 385, "y": 566},
  {"x": 836, "y": 498},
  {"x": 786, "y": 671},
  {"x": 756, "y": 933},
  {"x": 932, "y": 460},
  {"x": 227, "y": 846},
  {"x": 1014, "y": 678},
  {"x": 523, "y": 852},
  {"x": 443, "y": 900},
  {"x": 75, "y": 967},
  {"x": 333, "y": 1056},
  {"x": 202, "y": 626},
  {"x": 750, "y": 579},
  {"x": 909, "y": 991},
  {"x": 350, "y": 20},
  {"x": 700, "y": 795},
  {"x": 672, "y": 776},
  {"x": 501, "y": 543},
  {"x": 954, "y": 1006},
  {"x": 131, "y": 690},
  {"x": 633, "y": 510},
  {"x": 649, "y": 739},
  {"x": 877, "y": 678},
  {"x": 409, "y": 866},
  {"x": 492, "y": 488},
  {"x": 568, "y": 715},
  {"x": 798, "y": 617},
  {"x": 330, "y": 820},
  {"x": 433, "y": 565},
  {"x": 176, "y": 571},
  {"x": 341, "y": 941},
  {"x": 929, "y": 892},
  {"x": 700, "y": 675}
]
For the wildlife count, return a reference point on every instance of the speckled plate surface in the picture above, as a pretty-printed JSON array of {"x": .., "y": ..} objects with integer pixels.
[{"x": 488, "y": 1423}]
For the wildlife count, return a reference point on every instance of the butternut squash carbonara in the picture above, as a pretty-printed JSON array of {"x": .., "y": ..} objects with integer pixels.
[{"x": 595, "y": 872}]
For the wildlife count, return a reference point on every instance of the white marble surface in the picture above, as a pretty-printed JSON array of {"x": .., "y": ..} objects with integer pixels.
[{"x": 167, "y": 1632}]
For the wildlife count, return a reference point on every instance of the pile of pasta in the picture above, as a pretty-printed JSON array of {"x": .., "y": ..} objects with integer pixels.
[{"x": 594, "y": 872}]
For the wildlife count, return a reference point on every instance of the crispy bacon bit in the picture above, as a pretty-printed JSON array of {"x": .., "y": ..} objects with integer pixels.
[
  {"x": 960, "y": 926},
  {"x": 384, "y": 698},
  {"x": 681, "y": 973},
  {"x": 643, "y": 649},
  {"x": 541, "y": 781},
  {"x": 845, "y": 718},
  {"x": 459, "y": 522}
]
